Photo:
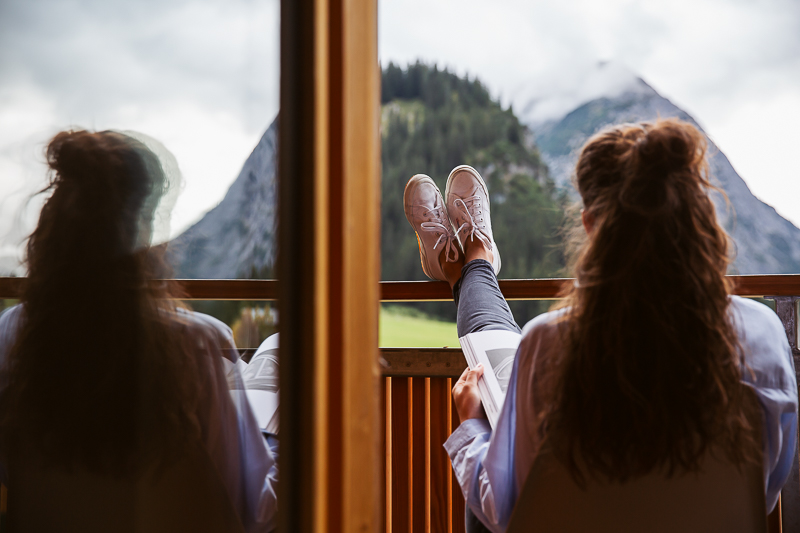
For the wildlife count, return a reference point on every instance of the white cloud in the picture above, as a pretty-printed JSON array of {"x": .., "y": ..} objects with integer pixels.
[{"x": 200, "y": 76}]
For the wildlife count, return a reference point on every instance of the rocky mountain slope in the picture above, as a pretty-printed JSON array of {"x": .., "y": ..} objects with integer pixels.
[
  {"x": 445, "y": 124},
  {"x": 238, "y": 237},
  {"x": 766, "y": 243},
  {"x": 432, "y": 120}
]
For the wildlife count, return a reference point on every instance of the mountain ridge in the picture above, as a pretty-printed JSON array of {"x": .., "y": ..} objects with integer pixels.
[
  {"x": 766, "y": 243},
  {"x": 237, "y": 238}
]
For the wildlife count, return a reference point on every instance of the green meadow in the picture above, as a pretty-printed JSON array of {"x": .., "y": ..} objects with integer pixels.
[{"x": 401, "y": 327}]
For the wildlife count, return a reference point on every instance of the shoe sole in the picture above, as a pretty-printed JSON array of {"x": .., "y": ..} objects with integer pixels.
[
  {"x": 423, "y": 259},
  {"x": 488, "y": 202}
]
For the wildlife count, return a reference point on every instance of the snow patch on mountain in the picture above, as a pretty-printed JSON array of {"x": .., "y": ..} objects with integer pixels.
[{"x": 555, "y": 97}]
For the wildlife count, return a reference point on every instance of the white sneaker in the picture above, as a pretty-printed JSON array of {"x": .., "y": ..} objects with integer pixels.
[
  {"x": 468, "y": 209},
  {"x": 426, "y": 212}
]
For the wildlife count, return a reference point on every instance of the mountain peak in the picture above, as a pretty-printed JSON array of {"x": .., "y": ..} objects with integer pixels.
[
  {"x": 557, "y": 97},
  {"x": 765, "y": 242}
]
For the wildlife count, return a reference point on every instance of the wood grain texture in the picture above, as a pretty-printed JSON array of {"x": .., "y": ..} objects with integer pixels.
[
  {"x": 440, "y": 499},
  {"x": 427, "y": 455},
  {"x": 410, "y": 362},
  {"x": 458, "y": 507},
  {"x": 386, "y": 426},
  {"x": 418, "y": 447},
  {"x": 423, "y": 362},
  {"x": 361, "y": 265},
  {"x": 325, "y": 508},
  {"x": 300, "y": 495},
  {"x": 401, "y": 455},
  {"x": 331, "y": 132},
  {"x": 407, "y": 291}
]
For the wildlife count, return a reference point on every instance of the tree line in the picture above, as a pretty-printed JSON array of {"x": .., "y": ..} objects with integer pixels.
[{"x": 433, "y": 120}]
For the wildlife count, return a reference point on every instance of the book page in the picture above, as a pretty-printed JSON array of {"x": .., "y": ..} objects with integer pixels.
[
  {"x": 496, "y": 350},
  {"x": 261, "y": 380},
  {"x": 262, "y": 371},
  {"x": 502, "y": 361},
  {"x": 265, "y": 405}
]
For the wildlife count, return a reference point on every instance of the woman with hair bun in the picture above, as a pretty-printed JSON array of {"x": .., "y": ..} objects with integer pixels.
[
  {"x": 115, "y": 408},
  {"x": 641, "y": 368}
]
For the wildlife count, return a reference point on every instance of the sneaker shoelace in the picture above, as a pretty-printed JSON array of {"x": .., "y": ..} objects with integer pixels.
[
  {"x": 475, "y": 229},
  {"x": 446, "y": 234}
]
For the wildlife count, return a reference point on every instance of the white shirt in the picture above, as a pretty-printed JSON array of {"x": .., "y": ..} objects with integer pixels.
[
  {"x": 492, "y": 466},
  {"x": 245, "y": 461}
]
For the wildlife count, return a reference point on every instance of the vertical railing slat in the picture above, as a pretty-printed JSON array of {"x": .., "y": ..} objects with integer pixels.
[
  {"x": 386, "y": 431},
  {"x": 427, "y": 455},
  {"x": 401, "y": 465},
  {"x": 441, "y": 482},
  {"x": 418, "y": 456},
  {"x": 774, "y": 519},
  {"x": 458, "y": 498}
]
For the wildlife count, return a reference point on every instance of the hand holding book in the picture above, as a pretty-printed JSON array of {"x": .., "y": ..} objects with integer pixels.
[
  {"x": 466, "y": 395},
  {"x": 494, "y": 352}
]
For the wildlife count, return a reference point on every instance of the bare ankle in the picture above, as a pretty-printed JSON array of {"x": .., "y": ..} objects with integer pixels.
[
  {"x": 476, "y": 249},
  {"x": 452, "y": 269}
]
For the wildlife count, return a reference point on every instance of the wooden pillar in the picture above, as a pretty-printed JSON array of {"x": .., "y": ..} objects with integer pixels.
[
  {"x": 328, "y": 261},
  {"x": 361, "y": 275}
]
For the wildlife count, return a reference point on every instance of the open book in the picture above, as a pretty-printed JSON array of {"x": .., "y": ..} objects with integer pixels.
[
  {"x": 496, "y": 350},
  {"x": 260, "y": 378}
]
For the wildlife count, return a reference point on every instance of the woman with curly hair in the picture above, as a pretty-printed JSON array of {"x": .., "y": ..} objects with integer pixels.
[
  {"x": 641, "y": 370},
  {"x": 115, "y": 408}
]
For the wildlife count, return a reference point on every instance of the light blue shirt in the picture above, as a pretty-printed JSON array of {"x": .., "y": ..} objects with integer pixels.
[
  {"x": 485, "y": 462},
  {"x": 245, "y": 461}
]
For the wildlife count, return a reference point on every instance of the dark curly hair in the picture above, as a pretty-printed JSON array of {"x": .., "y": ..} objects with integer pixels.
[
  {"x": 650, "y": 377},
  {"x": 96, "y": 378}
]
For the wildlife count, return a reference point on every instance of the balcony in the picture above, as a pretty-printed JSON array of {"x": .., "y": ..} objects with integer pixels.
[{"x": 420, "y": 492}]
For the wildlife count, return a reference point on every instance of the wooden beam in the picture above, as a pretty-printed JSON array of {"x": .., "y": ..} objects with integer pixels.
[
  {"x": 413, "y": 291},
  {"x": 329, "y": 267},
  {"x": 423, "y": 362},
  {"x": 411, "y": 362},
  {"x": 301, "y": 292},
  {"x": 361, "y": 202}
]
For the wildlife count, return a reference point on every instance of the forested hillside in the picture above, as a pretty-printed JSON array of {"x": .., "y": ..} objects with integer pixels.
[{"x": 434, "y": 120}]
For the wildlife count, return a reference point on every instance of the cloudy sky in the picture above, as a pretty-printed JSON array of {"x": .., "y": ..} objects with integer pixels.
[
  {"x": 734, "y": 65},
  {"x": 202, "y": 76}
]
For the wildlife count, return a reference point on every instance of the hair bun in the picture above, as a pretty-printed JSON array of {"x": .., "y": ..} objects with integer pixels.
[
  {"x": 71, "y": 153},
  {"x": 665, "y": 159},
  {"x": 669, "y": 145}
]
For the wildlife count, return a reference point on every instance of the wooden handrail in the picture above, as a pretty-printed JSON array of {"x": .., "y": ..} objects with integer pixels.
[
  {"x": 409, "y": 291},
  {"x": 410, "y": 362}
]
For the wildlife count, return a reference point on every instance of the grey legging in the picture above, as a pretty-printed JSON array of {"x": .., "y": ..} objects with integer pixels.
[{"x": 481, "y": 307}]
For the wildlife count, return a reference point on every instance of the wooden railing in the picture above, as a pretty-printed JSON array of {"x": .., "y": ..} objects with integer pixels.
[
  {"x": 420, "y": 491},
  {"x": 408, "y": 291}
]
